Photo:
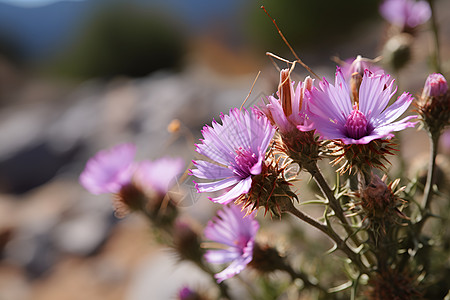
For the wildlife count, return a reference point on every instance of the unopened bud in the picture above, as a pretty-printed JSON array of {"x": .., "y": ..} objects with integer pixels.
[
  {"x": 376, "y": 196},
  {"x": 434, "y": 104},
  {"x": 130, "y": 198},
  {"x": 266, "y": 259},
  {"x": 435, "y": 86},
  {"x": 187, "y": 242}
]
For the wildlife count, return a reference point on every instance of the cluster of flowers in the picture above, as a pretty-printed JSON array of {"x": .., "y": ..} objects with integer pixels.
[
  {"x": 114, "y": 171},
  {"x": 248, "y": 153}
]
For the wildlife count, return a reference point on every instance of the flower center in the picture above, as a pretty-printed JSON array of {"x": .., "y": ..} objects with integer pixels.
[
  {"x": 243, "y": 162},
  {"x": 356, "y": 124}
]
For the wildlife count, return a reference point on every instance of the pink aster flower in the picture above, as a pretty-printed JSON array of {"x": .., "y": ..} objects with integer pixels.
[
  {"x": 237, "y": 233},
  {"x": 109, "y": 170},
  {"x": 334, "y": 116},
  {"x": 405, "y": 13},
  {"x": 288, "y": 111},
  {"x": 237, "y": 147},
  {"x": 159, "y": 174}
]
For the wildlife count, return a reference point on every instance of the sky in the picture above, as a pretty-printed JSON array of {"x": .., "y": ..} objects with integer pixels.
[{"x": 33, "y": 3}]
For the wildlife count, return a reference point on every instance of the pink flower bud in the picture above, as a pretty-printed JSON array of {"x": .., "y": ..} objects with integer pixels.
[{"x": 435, "y": 86}]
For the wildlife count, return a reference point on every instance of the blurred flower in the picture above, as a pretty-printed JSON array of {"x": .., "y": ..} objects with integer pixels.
[
  {"x": 288, "y": 111},
  {"x": 158, "y": 174},
  {"x": 405, "y": 13},
  {"x": 445, "y": 140},
  {"x": 109, "y": 170},
  {"x": 186, "y": 293},
  {"x": 435, "y": 86},
  {"x": 237, "y": 234},
  {"x": 358, "y": 65},
  {"x": 369, "y": 119},
  {"x": 238, "y": 148}
]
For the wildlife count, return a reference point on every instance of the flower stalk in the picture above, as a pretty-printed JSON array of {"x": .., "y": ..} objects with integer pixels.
[{"x": 340, "y": 244}]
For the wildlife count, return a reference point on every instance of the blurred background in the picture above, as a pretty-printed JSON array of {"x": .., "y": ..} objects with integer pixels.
[{"x": 83, "y": 75}]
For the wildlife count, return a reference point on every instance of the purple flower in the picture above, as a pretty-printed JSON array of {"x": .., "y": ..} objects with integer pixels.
[
  {"x": 237, "y": 148},
  {"x": 405, "y": 13},
  {"x": 237, "y": 234},
  {"x": 288, "y": 111},
  {"x": 157, "y": 175},
  {"x": 334, "y": 117},
  {"x": 109, "y": 170},
  {"x": 435, "y": 86}
]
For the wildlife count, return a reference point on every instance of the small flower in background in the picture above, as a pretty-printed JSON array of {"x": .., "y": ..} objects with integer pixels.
[
  {"x": 434, "y": 104},
  {"x": 358, "y": 65},
  {"x": 136, "y": 186},
  {"x": 435, "y": 86},
  {"x": 405, "y": 14},
  {"x": 186, "y": 293},
  {"x": 109, "y": 170},
  {"x": 445, "y": 140},
  {"x": 156, "y": 176},
  {"x": 368, "y": 119},
  {"x": 237, "y": 148},
  {"x": 237, "y": 234}
]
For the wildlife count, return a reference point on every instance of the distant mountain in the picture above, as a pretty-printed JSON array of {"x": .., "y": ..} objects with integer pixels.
[{"x": 38, "y": 32}]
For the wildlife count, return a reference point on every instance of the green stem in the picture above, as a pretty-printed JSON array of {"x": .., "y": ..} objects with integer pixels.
[
  {"x": 434, "y": 27},
  {"x": 334, "y": 203},
  {"x": 428, "y": 191},
  {"x": 340, "y": 244}
]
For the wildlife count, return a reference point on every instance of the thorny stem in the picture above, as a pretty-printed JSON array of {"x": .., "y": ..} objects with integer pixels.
[
  {"x": 340, "y": 244},
  {"x": 335, "y": 206},
  {"x": 437, "y": 60}
]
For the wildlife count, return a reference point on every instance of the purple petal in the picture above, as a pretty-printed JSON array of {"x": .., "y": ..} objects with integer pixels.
[
  {"x": 207, "y": 170},
  {"x": 216, "y": 185},
  {"x": 109, "y": 170},
  {"x": 241, "y": 188}
]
